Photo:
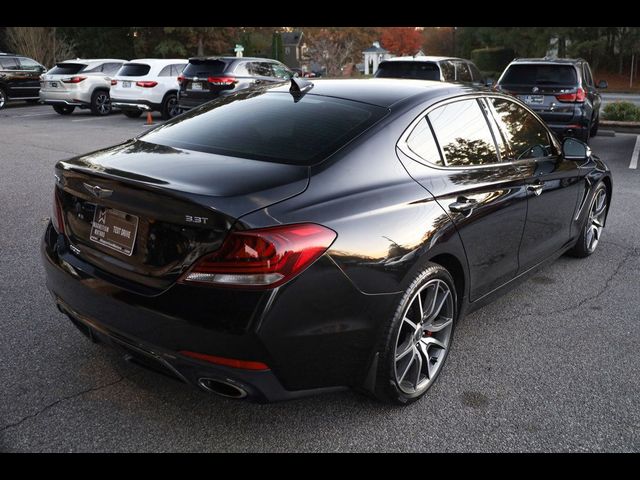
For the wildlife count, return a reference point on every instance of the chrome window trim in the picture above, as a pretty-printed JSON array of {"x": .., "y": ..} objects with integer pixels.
[{"x": 402, "y": 145}]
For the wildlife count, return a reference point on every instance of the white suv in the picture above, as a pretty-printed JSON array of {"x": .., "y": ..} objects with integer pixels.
[
  {"x": 79, "y": 83},
  {"x": 148, "y": 84}
]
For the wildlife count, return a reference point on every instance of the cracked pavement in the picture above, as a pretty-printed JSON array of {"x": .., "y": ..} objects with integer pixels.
[{"x": 554, "y": 365}]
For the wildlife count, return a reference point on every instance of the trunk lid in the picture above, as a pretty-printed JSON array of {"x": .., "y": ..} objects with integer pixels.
[{"x": 178, "y": 204}]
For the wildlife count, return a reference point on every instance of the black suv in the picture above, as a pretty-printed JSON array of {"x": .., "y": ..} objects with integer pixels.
[
  {"x": 206, "y": 78},
  {"x": 442, "y": 69},
  {"x": 561, "y": 91},
  {"x": 19, "y": 78}
]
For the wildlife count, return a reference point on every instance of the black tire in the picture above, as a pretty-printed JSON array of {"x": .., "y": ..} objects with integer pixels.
[
  {"x": 3, "y": 99},
  {"x": 595, "y": 123},
  {"x": 584, "y": 245},
  {"x": 170, "y": 106},
  {"x": 132, "y": 113},
  {"x": 64, "y": 109},
  {"x": 387, "y": 386},
  {"x": 100, "y": 103}
]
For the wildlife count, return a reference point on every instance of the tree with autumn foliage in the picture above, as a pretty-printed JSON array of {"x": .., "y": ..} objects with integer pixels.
[{"x": 401, "y": 40}]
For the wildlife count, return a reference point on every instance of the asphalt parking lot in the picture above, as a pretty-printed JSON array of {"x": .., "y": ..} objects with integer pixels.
[{"x": 552, "y": 366}]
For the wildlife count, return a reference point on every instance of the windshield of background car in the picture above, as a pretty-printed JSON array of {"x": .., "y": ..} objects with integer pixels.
[
  {"x": 203, "y": 68},
  {"x": 414, "y": 70},
  {"x": 269, "y": 126},
  {"x": 540, "y": 74},
  {"x": 67, "y": 68}
]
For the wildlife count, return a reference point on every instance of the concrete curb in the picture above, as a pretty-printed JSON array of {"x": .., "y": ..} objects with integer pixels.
[{"x": 622, "y": 127}]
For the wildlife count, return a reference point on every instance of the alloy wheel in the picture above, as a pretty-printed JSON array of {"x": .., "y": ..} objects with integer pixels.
[
  {"x": 103, "y": 103},
  {"x": 3, "y": 99},
  {"x": 172, "y": 107},
  {"x": 424, "y": 337},
  {"x": 595, "y": 223}
]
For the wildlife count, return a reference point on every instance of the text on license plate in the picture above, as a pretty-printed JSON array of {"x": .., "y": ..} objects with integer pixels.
[
  {"x": 53, "y": 84},
  {"x": 114, "y": 229},
  {"x": 533, "y": 99},
  {"x": 196, "y": 86},
  {"x": 126, "y": 84}
]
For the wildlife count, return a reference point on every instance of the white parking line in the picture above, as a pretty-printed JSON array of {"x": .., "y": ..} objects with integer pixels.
[
  {"x": 635, "y": 154},
  {"x": 89, "y": 119}
]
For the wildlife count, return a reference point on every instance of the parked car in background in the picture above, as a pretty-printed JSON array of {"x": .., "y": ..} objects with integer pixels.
[
  {"x": 562, "y": 91},
  {"x": 148, "y": 84},
  {"x": 207, "y": 78},
  {"x": 82, "y": 83},
  {"x": 443, "y": 69},
  {"x": 19, "y": 78},
  {"x": 306, "y": 237}
]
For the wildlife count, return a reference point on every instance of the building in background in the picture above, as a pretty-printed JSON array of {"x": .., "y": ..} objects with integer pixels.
[
  {"x": 373, "y": 56},
  {"x": 295, "y": 51}
]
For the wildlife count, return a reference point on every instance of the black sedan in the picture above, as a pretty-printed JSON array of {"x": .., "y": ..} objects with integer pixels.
[{"x": 296, "y": 239}]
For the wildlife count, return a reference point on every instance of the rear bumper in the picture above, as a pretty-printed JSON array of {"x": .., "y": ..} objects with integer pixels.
[
  {"x": 568, "y": 130},
  {"x": 75, "y": 98},
  {"x": 315, "y": 334},
  {"x": 143, "y": 105}
]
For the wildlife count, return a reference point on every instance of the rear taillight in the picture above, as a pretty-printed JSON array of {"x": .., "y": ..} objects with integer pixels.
[
  {"x": 73, "y": 79},
  {"x": 56, "y": 217},
  {"x": 574, "y": 97},
  {"x": 146, "y": 84},
  {"x": 114, "y": 82},
  {"x": 180, "y": 79},
  {"x": 262, "y": 258},
  {"x": 222, "y": 80}
]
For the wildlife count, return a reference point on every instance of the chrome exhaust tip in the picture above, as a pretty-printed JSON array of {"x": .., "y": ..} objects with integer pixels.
[{"x": 223, "y": 388}]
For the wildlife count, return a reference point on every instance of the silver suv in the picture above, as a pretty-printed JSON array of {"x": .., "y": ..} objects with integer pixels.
[{"x": 79, "y": 83}]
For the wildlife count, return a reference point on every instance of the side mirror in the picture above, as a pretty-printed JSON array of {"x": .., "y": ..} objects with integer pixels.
[
  {"x": 489, "y": 82},
  {"x": 574, "y": 149},
  {"x": 603, "y": 84}
]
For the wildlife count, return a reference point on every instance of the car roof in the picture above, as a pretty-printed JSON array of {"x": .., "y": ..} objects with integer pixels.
[
  {"x": 558, "y": 61},
  {"x": 423, "y": 58},
  {"x": 92, "y": 60},
  {"x": 158, "y": 61},
  {"x": 229, "y": 58},
  {"x": 383, "y": 92}
]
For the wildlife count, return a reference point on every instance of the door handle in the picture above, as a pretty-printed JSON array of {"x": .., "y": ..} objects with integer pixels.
[
  {"x": 536, "y": 188},
  {"x": 257, "y": 81},
  {"x": 463, "y": 205}
]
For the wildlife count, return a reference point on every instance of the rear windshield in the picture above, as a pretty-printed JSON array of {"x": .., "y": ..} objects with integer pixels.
[
  {"x": 67, "y": 68},
  {"x": 203, "y": 68},
  {"x": 415, "y": 70},
  {"x": 269, "y": 126},
  {"x": 540, "y": 75},
  {"x": 134, "y": 70}
]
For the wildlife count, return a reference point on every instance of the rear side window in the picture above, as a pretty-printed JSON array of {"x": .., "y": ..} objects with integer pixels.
[
  {"x": 280, "y": 71},
  {"x": 165, "y": 72},
  {"x": 177, "y": 68},
  {"x": 463, "y": 74},
  {"x": 67, "y": 68},
  {"x": 448, "y": 71},
  {"x": 422, "y": 143},
  {"x": 111, "y": 68},
  {"x": 414, "y": 70},
  {"x": 525, "y": 134},
  {"x": 204, "y": 68},
  {"x": 587, "y": 75},
  {"x": 134, "y": 70},
  {"x": 269, "y": 127},
  {"x": 540, "y": 74},
  {"x": 8, "y": 63},
  {"x": 463, "y": 134}
]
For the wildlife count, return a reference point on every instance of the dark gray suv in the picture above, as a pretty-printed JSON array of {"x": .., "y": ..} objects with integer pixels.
[{"x": 562, "y": 91}]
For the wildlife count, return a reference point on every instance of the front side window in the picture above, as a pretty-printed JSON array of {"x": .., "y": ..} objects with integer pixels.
[
  {"x": 463, "y": 134},
  {"x": 477, "y": 76},
  {"x": 587, "y": 75},
  {"x": 526, "y": 135}
]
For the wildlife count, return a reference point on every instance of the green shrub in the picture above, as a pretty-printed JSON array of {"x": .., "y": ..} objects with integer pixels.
[
  {"x": 622, "y": 111},
  {"x": 492, "y": 59}
]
